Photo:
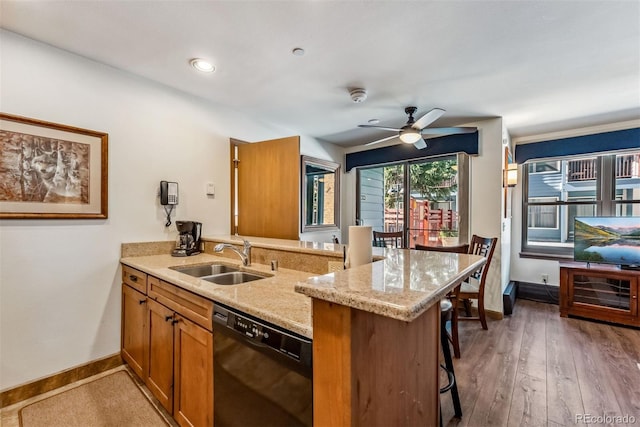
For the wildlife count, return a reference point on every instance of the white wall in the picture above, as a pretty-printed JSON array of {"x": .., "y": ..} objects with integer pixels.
[
  {"x": 59, "y": 279},
  {"x": 486, "y": 204}
]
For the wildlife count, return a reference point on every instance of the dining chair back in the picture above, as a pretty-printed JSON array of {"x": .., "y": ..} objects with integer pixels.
[
  {"x": 387, "y": 239},
  {"x": 453, "y": 335},
  {"x": 474, "y": 287}
]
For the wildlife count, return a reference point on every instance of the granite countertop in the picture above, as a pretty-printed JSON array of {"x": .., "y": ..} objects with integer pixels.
[
  {"x": 402, "y": 286},
  {"x": 272, "y": 299}
]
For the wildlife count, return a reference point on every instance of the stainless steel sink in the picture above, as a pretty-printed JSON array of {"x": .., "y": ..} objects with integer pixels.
[
  {"x": 233, "y": 278},
  {"x": 205, "y": 270}
]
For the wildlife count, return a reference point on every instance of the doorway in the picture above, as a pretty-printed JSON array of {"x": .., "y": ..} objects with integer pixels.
[{"x": 419, "y": 198}]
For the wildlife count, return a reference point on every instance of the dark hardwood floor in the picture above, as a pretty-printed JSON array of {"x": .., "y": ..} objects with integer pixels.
[{"x": 534, "y": 368}]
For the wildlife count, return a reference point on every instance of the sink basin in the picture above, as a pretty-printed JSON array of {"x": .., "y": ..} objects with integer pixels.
[
  {"x": 205, "y": 270},
  {"x": 233, "y": 278}
]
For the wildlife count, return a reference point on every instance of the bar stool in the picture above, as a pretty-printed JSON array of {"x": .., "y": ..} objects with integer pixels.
[{"x": 446, "y": 309}]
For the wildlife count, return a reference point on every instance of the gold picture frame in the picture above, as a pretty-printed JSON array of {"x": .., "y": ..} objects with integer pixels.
[{"x": 52, "y": 171}]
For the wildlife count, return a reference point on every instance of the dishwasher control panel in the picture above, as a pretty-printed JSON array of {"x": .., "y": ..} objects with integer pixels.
[{"x": 254, "y": 331}]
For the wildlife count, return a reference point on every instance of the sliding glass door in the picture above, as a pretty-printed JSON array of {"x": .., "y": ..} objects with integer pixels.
[
  {"x": 381, "y": 197},
  {"x": 418, "y": 198}
]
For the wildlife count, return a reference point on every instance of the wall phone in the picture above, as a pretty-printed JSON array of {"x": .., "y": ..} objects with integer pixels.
[
  {"x": 168, "y": 198},
  {"x": 168, "y": 193}
]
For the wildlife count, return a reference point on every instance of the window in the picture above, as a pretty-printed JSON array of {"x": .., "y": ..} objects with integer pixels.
[
  {"x": 540, "y": 167},
  {"x": 555, "y": 192},
  {"x": 543, "y": 216}
]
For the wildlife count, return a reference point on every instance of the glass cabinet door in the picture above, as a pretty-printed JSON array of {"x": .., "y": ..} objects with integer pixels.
[{"x": 602, "y": 291}]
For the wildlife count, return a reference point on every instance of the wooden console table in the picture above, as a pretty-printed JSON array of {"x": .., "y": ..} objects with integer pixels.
[{"x": 598, "y": 291}]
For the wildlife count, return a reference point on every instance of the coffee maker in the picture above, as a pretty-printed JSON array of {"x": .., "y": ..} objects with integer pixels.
[{"x": 188, "y": 240}]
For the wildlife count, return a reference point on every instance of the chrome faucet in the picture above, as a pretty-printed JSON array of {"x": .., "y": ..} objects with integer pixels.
[{"x": 245, "y": 255}]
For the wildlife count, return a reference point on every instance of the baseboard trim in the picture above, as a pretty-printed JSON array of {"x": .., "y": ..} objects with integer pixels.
[
  {"x": 495, "y": 315},
  {"x": 43, "y": 385},
  {"x": 538, "y": 292}
]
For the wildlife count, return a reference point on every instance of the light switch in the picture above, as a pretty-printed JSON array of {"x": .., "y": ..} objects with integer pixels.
[{"x": 211, "y": 189}]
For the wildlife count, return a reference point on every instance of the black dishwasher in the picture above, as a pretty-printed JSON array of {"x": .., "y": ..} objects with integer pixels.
[{"x": 262, "y": 374}]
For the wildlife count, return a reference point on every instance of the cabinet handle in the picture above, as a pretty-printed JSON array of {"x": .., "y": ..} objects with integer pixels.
[
  {"x": 175, "y": 321},
  {"x": 167, "y": 318},
  {"x": 133, "y": 278},
  {"x": 142, "y": 301}
]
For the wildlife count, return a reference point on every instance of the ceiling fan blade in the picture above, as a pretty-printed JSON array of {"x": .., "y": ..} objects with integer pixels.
[
  {"x": 420, "y": 144},
  {"x": 381, "y": 140},
  {"x": 428, "y": 118},
  {"x": 379, "y": 127},
  {"x": 448, "y": 131}
]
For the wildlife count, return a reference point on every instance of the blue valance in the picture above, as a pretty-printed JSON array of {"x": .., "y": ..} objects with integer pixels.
[
  {"x": 450, "y": 144},
  {"x": 577, "y": 145}
]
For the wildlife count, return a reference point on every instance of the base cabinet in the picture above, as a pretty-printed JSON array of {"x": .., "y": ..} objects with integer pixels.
[
  {"x": 160, "y": 374},
  {"x": 601, "y": 292},
  {"x": 134, "y": 312},
  {"x": 170, "y": 352}
]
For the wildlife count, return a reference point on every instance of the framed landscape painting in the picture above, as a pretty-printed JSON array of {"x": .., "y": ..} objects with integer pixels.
[{"x": 48, "y": 170}]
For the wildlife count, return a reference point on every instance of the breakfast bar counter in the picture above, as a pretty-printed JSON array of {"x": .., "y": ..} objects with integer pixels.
[{"x": 376, "y": 338}]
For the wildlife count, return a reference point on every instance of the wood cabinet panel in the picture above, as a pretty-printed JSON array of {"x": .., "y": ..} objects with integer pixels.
[
  {"x": 331, "y": 364},
  {"x": 190, "y": 305},
  {"x": 599, "y": 292},
  {"x": 134, "y": 278},
  {"x": 193, "y": 375},
  {"x": 160, "y": 372},
  {"x": 134, "y": 313},
  {"x": 363, "y": 376}
]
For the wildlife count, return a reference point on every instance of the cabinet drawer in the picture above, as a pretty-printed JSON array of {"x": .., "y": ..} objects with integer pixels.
[
  {"x": 194, "y": 307},
  {"x": 134, "y": 278}
]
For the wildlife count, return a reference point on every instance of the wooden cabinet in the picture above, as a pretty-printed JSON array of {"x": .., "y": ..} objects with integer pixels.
[
  {"x": 160, "y": 374},
  {"x": 601, "y": 292},
  {"x": 134, "y": 313},
  {"x": 167, "y": 340}
]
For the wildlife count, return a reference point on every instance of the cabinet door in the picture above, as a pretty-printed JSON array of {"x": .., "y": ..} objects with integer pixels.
[
  {"x": 160, "y": 372},
  {"x": 609, "y": 296},
  {"x": 193, "y": 394},
  {"x": 134, "y": 313}
]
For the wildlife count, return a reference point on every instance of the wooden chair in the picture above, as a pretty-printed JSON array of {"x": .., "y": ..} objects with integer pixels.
[
  {"x": 457, "y": 249},
  {"x": 387, "y": 239},
  {"x": 453, "y": 336},
  {"x": 474, "y": 287}
]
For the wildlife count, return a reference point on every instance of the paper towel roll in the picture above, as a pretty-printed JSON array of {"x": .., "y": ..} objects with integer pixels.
[{"x": 360, "y": 245}]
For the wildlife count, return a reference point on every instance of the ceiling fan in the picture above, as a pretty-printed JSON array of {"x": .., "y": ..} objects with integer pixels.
[{"x": 412, "y": 132}]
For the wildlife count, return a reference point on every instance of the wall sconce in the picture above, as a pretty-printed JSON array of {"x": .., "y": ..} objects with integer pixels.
[{"x": 510, "y": 178}]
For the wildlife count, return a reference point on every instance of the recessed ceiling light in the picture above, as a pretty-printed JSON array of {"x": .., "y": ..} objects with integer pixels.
[
  {"x": 298, "y": 51},
  {"x": 202, "y": 65},
  {"x": 374, "y": 121}
]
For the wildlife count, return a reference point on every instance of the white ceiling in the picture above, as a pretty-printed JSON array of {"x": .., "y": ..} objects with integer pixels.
[{"x": 541, "y": 65}]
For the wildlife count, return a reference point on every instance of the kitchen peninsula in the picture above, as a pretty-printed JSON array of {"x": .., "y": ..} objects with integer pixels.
[{"x": 374, "y": 327}]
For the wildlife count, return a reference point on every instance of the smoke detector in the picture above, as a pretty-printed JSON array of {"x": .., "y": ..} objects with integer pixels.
[{"x": 358, "y": 95}]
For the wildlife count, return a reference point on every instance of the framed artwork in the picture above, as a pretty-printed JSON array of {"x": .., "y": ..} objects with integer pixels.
[{"x": 48, "y": 170}]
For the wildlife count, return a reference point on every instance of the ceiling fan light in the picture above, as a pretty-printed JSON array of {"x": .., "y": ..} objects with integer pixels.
[{"x": 410, "y": 136}]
